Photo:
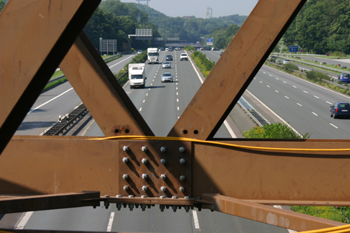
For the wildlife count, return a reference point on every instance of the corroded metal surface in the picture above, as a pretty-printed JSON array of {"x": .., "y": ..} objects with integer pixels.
[
  {"x": 38, "y": 35},
  {"x": 86, "y": 71},
  {"x": 236, "y": 68}
]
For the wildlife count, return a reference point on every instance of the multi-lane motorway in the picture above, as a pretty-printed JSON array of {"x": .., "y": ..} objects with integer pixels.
[{"x": 304, "y": 105}]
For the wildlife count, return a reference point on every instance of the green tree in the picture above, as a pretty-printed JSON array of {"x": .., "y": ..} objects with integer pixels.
[{"x": 2, "y": 5}]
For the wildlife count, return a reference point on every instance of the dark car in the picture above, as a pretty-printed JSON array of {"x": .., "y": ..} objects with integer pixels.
[
  {"x": 221, "y": 54},
  {"x": 161, "y": 49},
  {"x": 169, "y": 58},
  {"x": 344, "y": 77},
  {"x": 340, "y": 109}
]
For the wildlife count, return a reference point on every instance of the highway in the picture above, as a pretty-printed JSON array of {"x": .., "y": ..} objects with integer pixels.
[
  {"x": 304, "y": 105},
  {"x": 160, "y": 104}
]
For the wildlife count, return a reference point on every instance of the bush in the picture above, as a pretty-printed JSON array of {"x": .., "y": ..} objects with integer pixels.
[
  {"x": 274, "y": 131},
  {"x": 289, "y": 68},
  {"x": 203, "y": 63},
  {"x": 316, "y": 76}
]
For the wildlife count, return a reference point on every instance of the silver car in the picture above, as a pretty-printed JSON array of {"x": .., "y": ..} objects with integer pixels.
[
  {"x": 166, "y": 64},
  {"x": 167, "y": 77}
]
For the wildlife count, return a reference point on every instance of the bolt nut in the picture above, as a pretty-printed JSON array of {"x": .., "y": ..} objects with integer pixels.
[
  {"x": 144, "y": 161},
  {"x": 131, "y": 196},
  {"x": 187, "y": 197},
  {"x": 182, "y": 178},
  {"x": 163, "y": 149},
  {"x": 182, "y": 189},
  {"x": 144, "y": 188},
  {"x": 126, "y": 187},
  {"x": 163, "y": 188},
  {"x": 161, "y": 197},
  {"x": 126, "y": 148},
  {"x": 163, "y": 161},
  {"x": 125, "y": 177},
  {"x": 163, "y": 177},
  {"x": 144, "y": 148},
  {"x": 182, "y": 149},
  {"x": 143, "y": 196},
  {"x": 144, "y": 176},
  {"x": 182, "y": 161},
  {"x": 118, "y": 196},
  {"x": 174, "y": 197},
  {"x": 125, "y": 160}
]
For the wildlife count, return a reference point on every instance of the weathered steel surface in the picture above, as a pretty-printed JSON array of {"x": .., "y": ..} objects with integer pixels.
[
  {"x": 99, "y": 89},
  {"x": 236, "y": 68},
  {"x": 268, "y": 214},
  {"x": 38, "y": 34},
  {"x": 46, "y": 202},
  {"x": 154, "y": 169},
  {"x": 273, "y": 175}
]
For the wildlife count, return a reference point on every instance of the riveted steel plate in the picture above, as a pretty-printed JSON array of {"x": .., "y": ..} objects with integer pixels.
[{"x": 154, "y": 168}]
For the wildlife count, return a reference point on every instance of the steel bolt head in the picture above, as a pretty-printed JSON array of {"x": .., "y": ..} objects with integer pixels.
[
  {"x": 163, "y": 161},
  {"x": 144, "y": 176},
  {"x": 144, "y": 148},
  {"x": 125, "y": 160},
  {"x": 174, "y": 197},
  {"x": 187, "y": 197},
  {"x": 182, "y": 149},
  {"x": 161, "y": 197},
  {"x": 131, "y": 196},
  {"x": 143, "y": 196},
  {"x": 182, "y": 189},
  {"x": 163, "y": 177},
  {"x": 144, "y": 188},
  {"x": 144, "y": 161},
  {"x": 118, "y": 196},
  {"x": 182, "y": 161},
  {"x": 163, "y": 188},
  {"x": 126, "y": 187},
  {"x": 163, "y": 149},
  {"x": 125, "y": 176},
  {"x": 126, "y": 148},
  {"x": 182, "y": 178}
]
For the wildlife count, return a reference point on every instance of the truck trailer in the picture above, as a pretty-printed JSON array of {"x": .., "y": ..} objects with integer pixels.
[{"x": 152, "y": 55}]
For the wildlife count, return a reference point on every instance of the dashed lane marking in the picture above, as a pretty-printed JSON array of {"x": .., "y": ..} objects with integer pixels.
[
  {"x": 333, "y": 125},
  {"x": 314, "y": 114},
  {"x": 300, "y": 105}
]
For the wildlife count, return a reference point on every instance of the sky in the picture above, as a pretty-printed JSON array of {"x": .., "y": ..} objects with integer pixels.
[{"x": 198, "y": 8}]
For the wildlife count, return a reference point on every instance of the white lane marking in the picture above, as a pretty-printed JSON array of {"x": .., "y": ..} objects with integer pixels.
[
  {"x": 177, "y": 100},
  {"x": 151, "y": 84},
  {"x": 110, "y": 222},
  {"x": 314, "y": 114},
  {"x": 286, "y": 97},
  {"x": 260, "y": 81},
  {"x": 177, "y": 93},
  {"x": 140, "y": 109},
  {"x": 23, "y": 221},
  {"x": 294, "y": 86},
  {"x": 200, "y": 79},
  {"x": 155, "y": 77},
  {"x": 195, "y": 219},
  {"x": 264, "y": 72},
  {"x": 333, "y": 125},
  {"x": 268, "y": 86},
  {"x": 144, "y": 101},
  {"x": 177, "y": 88},
  {"x": 328, "y": 102},
  {"x": 316, "y": 97},
  {"x": 284, "y": 122},
  {"x": 146, "y": 94},
  {"x": 121, "y": 61},
  {"x": 277, "y": 79},
  {"x": 178, "y": 108},
  {"x": 149, "y": 89},
  {"x": 284, "y": 82},
  {"x": 176, "y": 80},
  {"x": 300, "y": 105},
  {"x": 177, "y": 84},
  {"x": 276, "y": 91},
  {"x": 32, "y": 110},
  {"x": 270, "y": 75},
  {"x": 305, "y": 92}
]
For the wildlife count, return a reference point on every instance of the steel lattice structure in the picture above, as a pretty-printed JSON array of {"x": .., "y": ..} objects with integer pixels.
[{"x": 234, "y": 180}]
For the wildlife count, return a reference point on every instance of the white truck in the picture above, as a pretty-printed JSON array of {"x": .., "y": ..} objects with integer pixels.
[
  {"x": 137, "y": 75},
  {"x": 152, "y": 55}
]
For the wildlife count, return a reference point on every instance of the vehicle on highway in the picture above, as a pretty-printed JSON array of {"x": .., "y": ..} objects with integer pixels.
[
  {"x": 221, "y": 54},
  {"x": 340, "y": 109},
  {"x": 286, "y": 61},
  {"x": 166, "y": 64},
  {"x": 152, "y": 55},
  {"x": 183, "y": 56},
  {"x": 344, "y": 77},
  {"x": 169, "y": 58},
  {"x": 177, "y": 48},
  {"x": 161, "y": 49},
  {"x": 170, "y": 49},
  {"x": 167, "y": 77},
  {"x": 137, "y": 75},
  {"x": 139, "y": 51}
]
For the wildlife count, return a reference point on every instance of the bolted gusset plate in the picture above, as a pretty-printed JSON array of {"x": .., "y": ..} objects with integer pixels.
[{"x": 155, "y": 168}]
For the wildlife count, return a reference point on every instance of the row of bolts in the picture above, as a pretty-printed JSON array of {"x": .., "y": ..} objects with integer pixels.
[{"x": 145, "y": 176}]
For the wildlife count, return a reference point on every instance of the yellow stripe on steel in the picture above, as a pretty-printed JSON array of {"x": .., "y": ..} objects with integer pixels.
[{"x": 183, "y": 139}]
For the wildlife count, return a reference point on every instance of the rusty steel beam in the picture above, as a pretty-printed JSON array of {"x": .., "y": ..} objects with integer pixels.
[
  {"x": 47, "y": 202},
  {"x": 239, "y": 173},
  {"x": 268, "y": 214},
  {"x": 52, "y": 231},
  {"x": 236, "y": 68},
  {"x": 38, "y": 35},
  {"x": 100, "y": 91}
]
